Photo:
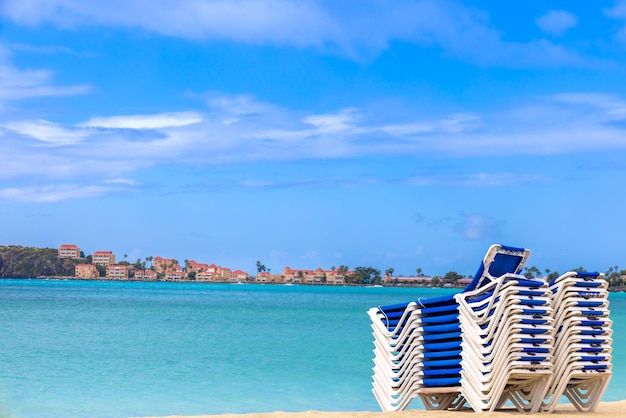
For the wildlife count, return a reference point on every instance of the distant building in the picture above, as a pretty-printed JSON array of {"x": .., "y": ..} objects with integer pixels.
[
  {"x": 337, "y": 276},
  {"x": 69, "y": 251},
  {"x": 225, "y": 274},
  {"x": 145, "y": 275},
  {"x": 103, "y": 258},
  {"x": 240, "y": 276},
  {"x": 86, "y": 271},
  {"x": 463, "y": 282},
  {"x": 193, "y": 266},
  {"x": 317, "y": 276},
  {"x": 117, "y": 272},
  {"x": 214, "y": 270},
  {"x": 267, "y": 277},
  {"x": 175, "y": 275},
  {"x": 162, "y": 265},
  {"x": 205, "y": 276}
]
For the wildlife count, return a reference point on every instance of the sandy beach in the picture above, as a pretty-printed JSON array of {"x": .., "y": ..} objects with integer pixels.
[{"x": 606, "y": 409}]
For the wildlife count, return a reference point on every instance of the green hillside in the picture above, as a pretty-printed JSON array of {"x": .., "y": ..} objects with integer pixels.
[{"x": 30, "y": 262}]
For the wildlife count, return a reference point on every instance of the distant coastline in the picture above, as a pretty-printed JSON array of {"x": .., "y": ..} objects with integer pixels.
[{"x": 68, "y": 262}]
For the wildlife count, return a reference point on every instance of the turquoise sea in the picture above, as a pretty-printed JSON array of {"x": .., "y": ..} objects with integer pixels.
[{"x": 113, "y": 349}]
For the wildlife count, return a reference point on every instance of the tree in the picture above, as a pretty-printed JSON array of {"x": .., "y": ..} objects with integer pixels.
[
  {"x": 365, "y": 275},
  {"x": 260, "y": 267},
  {"x": 342, "y": 269},
  {"x": 149, "y": 260},
  {"x": 102, "y": 270},
  {"x": 389, "y": 272},
  {"x": 532, "y": 272},
  {"x": 419, "y": 272},
  {"x": 451, "y": 277}
]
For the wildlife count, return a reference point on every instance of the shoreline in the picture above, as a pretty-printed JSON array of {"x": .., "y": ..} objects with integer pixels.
[
  {"x": 605, "y": 409},
  {"x": 611, "y": 289}
]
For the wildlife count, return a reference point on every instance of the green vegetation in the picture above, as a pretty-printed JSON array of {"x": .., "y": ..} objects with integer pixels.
[
  {"x": 364, "y": 275},
  {"x": 30, "y": 262}
]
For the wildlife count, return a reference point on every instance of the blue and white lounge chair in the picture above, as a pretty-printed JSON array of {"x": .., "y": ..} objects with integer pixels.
[
  {"x": 418, "y": 344},
  {"x": 507, "y": 344},
  {"x": 583, "y": 343},
  {"x": 504, "y": 339}
]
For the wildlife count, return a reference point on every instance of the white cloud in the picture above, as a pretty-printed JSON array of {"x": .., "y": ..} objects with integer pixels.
[
  {"x": 53, "y": 193},
  {"x": 618, "y": 12},
  {"x": 478, "y": 180},
  {"x": 342, "y": 121},
  {"x": 48, "y": 132},
  {"x": 157, "y": 121},
  {"x": 121, "y": 181},
  {"x": 356, "y": 32},
  {"x": 109, "y": 156},
  {"x": 475, "y": 227},
  {"x": 17, "y": 84},
  {"x": 556, "y": 22}
]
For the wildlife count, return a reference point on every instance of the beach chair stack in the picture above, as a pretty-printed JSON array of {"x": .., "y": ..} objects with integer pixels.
[
  {"x": 418, "y": 345},
  {"x": 507, "y": 329},
  {"x": 503, "y": 340},
  {"x": 583, "y": 343}
]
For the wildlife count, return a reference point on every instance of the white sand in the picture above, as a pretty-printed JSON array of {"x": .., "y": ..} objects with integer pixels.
[{"x": 606, "y": 409}]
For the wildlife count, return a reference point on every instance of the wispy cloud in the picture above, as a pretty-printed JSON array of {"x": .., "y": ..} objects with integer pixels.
[
  {"x": 104, "y": 149},
  {"x": 55, "y": 193},
  {"x": 355, "y": 32},
  {"x": 162, "y": 120},
  {"x": 475, "y": 226},
  {"x": 45, "y": 49},
  {"x": 479, "y": 180},
  {"x": 618, "y": 12},
  {"x": 48, "y": 132},
  {"x": 17, "y": 84},
  {"x": 556, "y": 22}
]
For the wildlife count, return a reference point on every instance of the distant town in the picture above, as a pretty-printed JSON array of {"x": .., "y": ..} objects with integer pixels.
[{"x": 102, "y": 264}]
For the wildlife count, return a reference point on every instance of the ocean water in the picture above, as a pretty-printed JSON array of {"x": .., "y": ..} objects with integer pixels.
[{"x": 112, "y": 349}]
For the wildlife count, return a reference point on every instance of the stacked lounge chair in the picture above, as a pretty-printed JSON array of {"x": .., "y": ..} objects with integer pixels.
[
  {"x": 582, "y": 348},
  {"x": 507, "y": 343},
  {"x": 418, "y": 344},
  {"x": 499, "y": 341}
]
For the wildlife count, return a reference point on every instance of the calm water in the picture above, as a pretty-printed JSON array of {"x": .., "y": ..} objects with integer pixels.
[{"x": 104, "y": 349}]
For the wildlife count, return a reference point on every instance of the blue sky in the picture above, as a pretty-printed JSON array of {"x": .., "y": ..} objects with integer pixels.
[{"x": 316, "y": 133}]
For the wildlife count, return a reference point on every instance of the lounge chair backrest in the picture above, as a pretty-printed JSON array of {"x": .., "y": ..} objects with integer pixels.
[{"x": 499, "y": 260}]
